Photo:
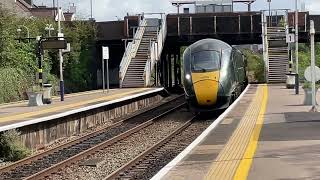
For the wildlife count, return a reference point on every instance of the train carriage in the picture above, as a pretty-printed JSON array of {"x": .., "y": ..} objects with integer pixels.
[{"x": 214, "y": 74}]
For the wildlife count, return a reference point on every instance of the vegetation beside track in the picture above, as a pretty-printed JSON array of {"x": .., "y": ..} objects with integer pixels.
[
  {"x": 11, "y": 148},
  {"x": 256, "y": 72},
  {"x": 19, "y": 64}
]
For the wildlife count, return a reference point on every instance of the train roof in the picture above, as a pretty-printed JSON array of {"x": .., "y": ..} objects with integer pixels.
[{"x": 209, "y": 44}]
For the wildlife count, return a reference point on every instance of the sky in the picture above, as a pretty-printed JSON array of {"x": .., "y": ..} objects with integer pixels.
[{"x": 108, "y": 10}]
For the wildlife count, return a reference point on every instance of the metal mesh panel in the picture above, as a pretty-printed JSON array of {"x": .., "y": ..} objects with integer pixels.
[
  {"x": 245, "y": 24},
  {"x": 257, "y": 27},
  {"x": 316, "y": 19},
  {"x": 184, "y": 25},
  {"x": 172, "y": 26},
  {"x": 202, "y": 25},
  {"x": 227, "y": 25}
]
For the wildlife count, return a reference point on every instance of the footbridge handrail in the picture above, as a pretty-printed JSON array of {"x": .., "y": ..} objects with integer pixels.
[
  {"x": 156, "y": 48},
  {"x": 131, "y": 50}
]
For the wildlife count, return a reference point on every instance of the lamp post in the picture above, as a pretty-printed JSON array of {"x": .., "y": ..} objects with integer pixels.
[
  {"x": 297, "y": 46},
  {"x": 270, "y": 18},
  {"x": 297, "y": 36},
  {"x": 49, "y": 28},
  {"x": 60, "y": 54}
]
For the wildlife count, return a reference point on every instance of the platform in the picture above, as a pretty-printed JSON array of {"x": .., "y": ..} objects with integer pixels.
[
  {"x": 17, "y": 115},
  {"x": 267, "y": 134}
]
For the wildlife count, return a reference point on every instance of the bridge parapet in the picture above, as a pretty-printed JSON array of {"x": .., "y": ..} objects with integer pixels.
[
  {"x": 245, "y": 26},
  {"x": 214, "y": 23}
]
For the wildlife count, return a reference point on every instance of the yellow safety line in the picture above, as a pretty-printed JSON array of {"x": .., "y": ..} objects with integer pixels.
[
  {"x": 49, "y": 110},
  {"x": 246, "y": 162},
  {"x": 12, "y": 104},
  {"x": 228, "y": 160}
]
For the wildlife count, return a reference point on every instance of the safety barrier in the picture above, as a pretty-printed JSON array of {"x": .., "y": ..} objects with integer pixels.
[
  {"x": 131, "y": 50},
  {"x": 156, "y": 48}
]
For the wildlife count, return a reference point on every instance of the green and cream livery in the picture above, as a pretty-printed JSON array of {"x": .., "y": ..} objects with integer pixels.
[{"x": 214, "y": 74}]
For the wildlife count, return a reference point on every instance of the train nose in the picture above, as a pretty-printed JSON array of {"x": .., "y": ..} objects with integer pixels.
[{"x": 206, "y": 88}]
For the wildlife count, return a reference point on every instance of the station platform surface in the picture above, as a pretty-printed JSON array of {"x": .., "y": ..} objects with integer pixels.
[
  {"x": 16, "y": 115},
  {"x": 268, "y": 134}
]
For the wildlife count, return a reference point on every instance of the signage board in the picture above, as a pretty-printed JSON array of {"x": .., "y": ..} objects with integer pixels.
[
  {"x": 290, "y": 38},
  {"x": 307, "y": 74},
  {"x": 54, "y": 44},
  {"x": 105, "y": 52}
]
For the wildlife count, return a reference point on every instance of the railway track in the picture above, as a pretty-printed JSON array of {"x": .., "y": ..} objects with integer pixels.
[
  {"x": 148, "y": 163},
  {"x": 46, "y": 163}
]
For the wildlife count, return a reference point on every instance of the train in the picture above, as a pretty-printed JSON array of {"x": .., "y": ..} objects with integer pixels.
[{"x": 214, "y": 75}]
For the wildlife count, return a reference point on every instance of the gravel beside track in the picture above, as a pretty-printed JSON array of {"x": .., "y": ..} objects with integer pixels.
[
  {"x": 122, "y": 152},
  {"x": 154, "y": 161},
  {"x": 63, "y": 154}
]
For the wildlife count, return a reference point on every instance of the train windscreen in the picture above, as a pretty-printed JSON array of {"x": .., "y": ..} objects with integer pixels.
[{"x": 205, "y": 61}]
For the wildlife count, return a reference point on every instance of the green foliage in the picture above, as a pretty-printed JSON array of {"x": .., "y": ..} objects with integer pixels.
[
  {"x": 305, "y": 57},
  {"x": 79, "y": 76},
  {"x": 255, "y": 67},
  {"x": 13, "y": 84},
  {"x": 19, "y": 64},
  {"x": 307, "y": 85},
  {"x": 11, "y": 148}
]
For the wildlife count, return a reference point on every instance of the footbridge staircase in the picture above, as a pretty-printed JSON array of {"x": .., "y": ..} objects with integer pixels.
[
  {"x": 276, "y": 51},
  {"x": 138, "y": 65}
]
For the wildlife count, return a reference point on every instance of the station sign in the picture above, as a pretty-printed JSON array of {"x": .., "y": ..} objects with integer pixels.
[
  {"x": 290, "y": 38},
  {"x": 105, "y": 52}
]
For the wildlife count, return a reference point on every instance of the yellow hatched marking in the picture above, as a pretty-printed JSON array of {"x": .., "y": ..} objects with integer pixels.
[
  {"x": 58, "y": 108},
  {"x": 229, "y": 158},
  {"x": 246, "y": 162}
]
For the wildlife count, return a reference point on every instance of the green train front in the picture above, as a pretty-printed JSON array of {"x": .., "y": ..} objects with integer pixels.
[{"x": 214, "y": 74}]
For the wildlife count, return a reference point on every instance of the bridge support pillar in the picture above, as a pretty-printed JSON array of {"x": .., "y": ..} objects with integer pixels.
[
  {"x": 175, "y": 70},
  {"x": 179, "y": 68},
  {"x": 170, "y": 70}
]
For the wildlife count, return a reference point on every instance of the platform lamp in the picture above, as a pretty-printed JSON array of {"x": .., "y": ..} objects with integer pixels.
[
  {"x": 19, "y": 30},
  {"x": 49, "y": 28}
]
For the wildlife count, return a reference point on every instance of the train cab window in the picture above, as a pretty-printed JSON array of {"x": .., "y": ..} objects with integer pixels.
[{"x": 205, "y": 61}]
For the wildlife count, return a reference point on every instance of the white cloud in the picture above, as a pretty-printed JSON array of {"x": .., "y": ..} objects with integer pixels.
[{"x": 313, "y": 6}]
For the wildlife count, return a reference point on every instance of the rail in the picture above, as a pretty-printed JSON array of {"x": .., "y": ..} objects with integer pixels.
[
  {"x": 156, "y": 48},
  {"x": 131, "y": 122},
  {"x": 131, "y": 50},
  {"x": 165, "y": 140}
]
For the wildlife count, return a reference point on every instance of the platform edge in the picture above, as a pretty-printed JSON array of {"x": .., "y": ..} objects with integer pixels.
[
  {"x": 67, "y": 113},
  {"x": 164, "y": 171}
]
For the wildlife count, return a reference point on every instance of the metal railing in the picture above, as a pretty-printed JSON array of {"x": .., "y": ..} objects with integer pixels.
[
  {"x": 131, "y": 51},
  {"x": 155, "y": 51}
]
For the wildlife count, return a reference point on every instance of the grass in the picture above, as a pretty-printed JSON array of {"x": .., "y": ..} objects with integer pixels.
[{"x": 11, "y": 148}]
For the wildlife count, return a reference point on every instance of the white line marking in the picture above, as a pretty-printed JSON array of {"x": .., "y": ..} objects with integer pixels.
[
  {"x": 67, "y": 113},
  {"x": 196, "y": 142}
]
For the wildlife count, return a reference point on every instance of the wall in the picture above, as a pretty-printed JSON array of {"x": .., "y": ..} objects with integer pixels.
[{"x": 39, "y": 135}]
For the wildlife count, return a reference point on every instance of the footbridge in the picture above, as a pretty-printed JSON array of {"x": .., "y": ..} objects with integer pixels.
[{"x": 151, "y": 46}]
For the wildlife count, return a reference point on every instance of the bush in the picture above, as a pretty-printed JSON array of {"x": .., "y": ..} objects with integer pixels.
[
  {"x": 256, "y": 67},
  {"x": 11, "y": 148},
  {"x": 13, "y": 84}
]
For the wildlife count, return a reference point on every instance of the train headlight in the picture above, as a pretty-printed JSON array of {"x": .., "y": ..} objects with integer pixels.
[{"x": 188, "y": 77}]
